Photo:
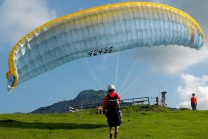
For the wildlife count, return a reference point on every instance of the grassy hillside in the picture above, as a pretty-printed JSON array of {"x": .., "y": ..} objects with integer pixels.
[{"x": 152, "y": 122}]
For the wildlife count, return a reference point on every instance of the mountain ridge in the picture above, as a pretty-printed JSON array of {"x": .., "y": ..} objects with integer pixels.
[{"x": 84, "y": 97}]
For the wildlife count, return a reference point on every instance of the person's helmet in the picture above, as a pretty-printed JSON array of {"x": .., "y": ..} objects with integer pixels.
[{"x": 111, "y": 88}]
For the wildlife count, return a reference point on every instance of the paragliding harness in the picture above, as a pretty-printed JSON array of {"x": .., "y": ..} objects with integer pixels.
[{"x": 113, "y": 106}]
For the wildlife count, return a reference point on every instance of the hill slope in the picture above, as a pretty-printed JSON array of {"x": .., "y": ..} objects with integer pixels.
[{"x": 84, "y": 97}]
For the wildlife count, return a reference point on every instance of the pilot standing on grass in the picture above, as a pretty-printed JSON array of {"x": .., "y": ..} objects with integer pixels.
[{"x": 111, "y": 108}]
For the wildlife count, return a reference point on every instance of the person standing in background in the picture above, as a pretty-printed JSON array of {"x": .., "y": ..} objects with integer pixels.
[{"x": 193, "y": 102}]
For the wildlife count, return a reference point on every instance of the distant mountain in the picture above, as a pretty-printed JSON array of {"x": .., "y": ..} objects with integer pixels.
[{"x": 84, "y": 97}]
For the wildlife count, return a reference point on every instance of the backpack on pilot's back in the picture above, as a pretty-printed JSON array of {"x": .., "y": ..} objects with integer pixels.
[{"x": 113, "y": 106}]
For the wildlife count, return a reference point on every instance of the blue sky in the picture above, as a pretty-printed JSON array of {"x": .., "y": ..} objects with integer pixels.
[{"x": 180, "y": 70}]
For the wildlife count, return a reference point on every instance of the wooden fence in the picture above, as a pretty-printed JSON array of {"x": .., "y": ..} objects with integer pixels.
[{"x": 135, "y": 101}]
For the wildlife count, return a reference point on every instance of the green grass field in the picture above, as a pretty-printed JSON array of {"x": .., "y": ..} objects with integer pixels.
[{"x": 151, "y": 122}]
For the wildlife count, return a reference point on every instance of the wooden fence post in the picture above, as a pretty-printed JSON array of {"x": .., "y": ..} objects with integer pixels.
[{"x": 148, "y": 101}]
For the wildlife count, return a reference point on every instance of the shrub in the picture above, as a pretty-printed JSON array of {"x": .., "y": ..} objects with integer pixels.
[{"x": 184, "y": 108}]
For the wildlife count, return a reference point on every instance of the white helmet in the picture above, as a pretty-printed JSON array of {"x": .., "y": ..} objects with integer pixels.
[{"x": 111, "y": 88}]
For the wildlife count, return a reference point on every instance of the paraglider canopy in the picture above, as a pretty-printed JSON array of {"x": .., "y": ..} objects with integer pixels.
[{"x": 100, "y": 30}]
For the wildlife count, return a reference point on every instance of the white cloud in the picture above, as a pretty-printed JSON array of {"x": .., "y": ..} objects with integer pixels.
[
  {"x": 179, "y": 59},
  {"x": 197, "y": 85},
  {"x": 17, "y": 18},
  {"x": 169, "y": 59}
]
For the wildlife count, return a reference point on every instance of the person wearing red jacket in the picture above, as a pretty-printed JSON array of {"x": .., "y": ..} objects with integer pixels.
[
  {"x": 113, "y": 118},
  {"x": 193, "y": 102}
]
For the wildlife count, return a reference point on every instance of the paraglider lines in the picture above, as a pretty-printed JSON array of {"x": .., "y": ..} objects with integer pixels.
[
  {"x": 133, "y": 66},
  {"x": 92, "y": 73},
  {"x": 144, "y": 72},
  {"x": 117, "y": 65}
]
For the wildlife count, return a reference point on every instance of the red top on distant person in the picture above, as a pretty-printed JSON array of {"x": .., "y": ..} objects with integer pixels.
[{"x": 193, "y": 100}]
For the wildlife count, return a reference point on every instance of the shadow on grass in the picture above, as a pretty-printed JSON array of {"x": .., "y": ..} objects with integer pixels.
[{"x": 51, "y": 126}]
